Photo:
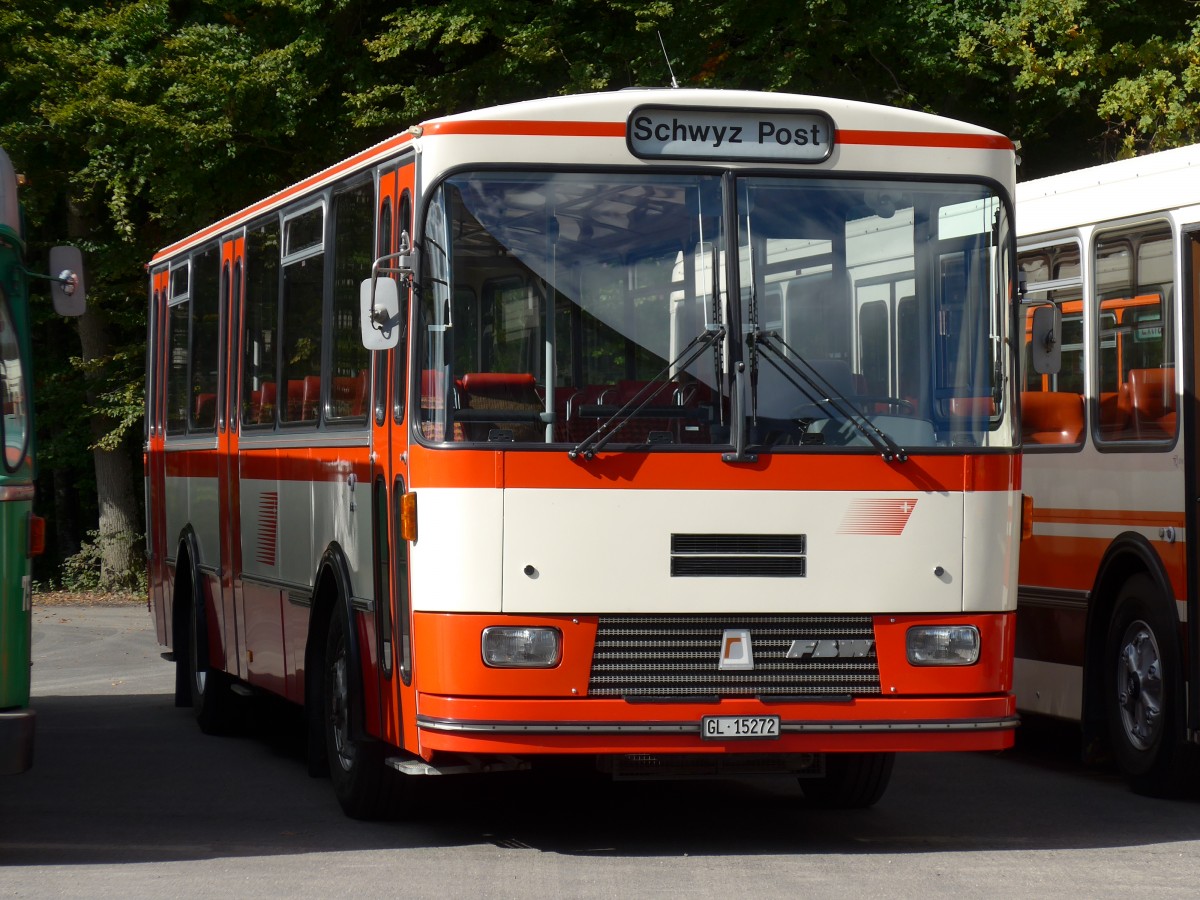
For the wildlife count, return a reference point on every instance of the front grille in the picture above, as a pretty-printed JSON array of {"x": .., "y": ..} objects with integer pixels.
[{"x": 664, "y": 656}]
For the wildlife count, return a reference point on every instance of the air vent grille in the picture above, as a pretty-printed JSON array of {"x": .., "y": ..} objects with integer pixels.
[{"x": 738, "y": 556}]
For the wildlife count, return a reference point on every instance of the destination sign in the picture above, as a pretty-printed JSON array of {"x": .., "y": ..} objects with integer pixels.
[{"x": 758, "y": 135}]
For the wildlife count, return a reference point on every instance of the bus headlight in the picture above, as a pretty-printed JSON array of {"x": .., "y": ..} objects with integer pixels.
[
  {"x": 942, "y": 645},
  {"x": 507, "y": 647}
]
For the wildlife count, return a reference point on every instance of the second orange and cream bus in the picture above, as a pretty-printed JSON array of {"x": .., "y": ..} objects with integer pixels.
[{"x": 1108, "y": 618}]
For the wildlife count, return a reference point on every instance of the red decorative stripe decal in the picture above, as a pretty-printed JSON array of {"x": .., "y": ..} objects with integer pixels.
[
  {"x": 268, "y": 527},
  {"x": 882, "y": 517}
]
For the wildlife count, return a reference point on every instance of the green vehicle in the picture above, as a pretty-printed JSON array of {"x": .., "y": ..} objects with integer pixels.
[{"x": 21, "y": 532}]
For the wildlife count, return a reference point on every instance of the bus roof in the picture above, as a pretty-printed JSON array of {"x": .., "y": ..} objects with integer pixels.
[
  {"x": 1128, "y": 187},
  {"x": 604, "y": 115}
]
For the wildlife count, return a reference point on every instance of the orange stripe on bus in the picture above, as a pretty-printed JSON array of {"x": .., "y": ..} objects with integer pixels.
[
  {"x": 924, "y": 139},
  {"x": 1070, "y": 563},
  {"x": 272, "y": 465},
  {"x": 1126, "y": 517},
  {"x": 684, "y": 471},
  {"x": 527, "y": 128}
]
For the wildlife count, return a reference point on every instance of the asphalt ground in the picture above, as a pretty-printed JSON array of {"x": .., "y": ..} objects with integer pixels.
[{"x": 127, "y": 798}]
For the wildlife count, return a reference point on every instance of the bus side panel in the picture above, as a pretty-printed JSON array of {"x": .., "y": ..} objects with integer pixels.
[
  {"x": 1072, "y": 533},
  {"x": 341, "y": 522},
  {"x": 14, "y": 604},
  {"x": 261, "y": 612},
  {"x": 202, "y": 518}
]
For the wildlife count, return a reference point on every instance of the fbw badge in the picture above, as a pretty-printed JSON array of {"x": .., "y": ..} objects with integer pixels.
[{"x": 736, "y": 652}]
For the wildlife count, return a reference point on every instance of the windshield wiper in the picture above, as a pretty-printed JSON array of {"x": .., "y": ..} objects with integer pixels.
[
  {"x": 823, "y": 393},
  {"x": 604, "y": 432}
]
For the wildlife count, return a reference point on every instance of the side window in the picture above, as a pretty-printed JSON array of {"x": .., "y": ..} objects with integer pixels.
[
  {"x": 1134, "y": 327},
  {"x": 260, "y": 340},
  {"x": 177, "y": 349},
  {"x": 354, "y": 226},
  {"x": 1052, "y": 405},
  {"x": 205, "y": 339},
  {"x": 15, "y": 417},
  {"x": 301, "y": 322}
]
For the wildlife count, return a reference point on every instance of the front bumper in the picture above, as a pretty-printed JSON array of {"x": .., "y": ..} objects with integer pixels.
[{"x": 448, "y": 724}]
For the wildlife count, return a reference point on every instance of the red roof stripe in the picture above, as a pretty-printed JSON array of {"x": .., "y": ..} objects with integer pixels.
[
  {"x": 527, "y": 127},
  {"x": 924, "y": 139}
]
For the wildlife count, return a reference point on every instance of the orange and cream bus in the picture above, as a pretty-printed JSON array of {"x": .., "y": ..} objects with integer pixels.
[
  {"x": 670, "y": 428},
  {"x": 1108, "y": 606}
]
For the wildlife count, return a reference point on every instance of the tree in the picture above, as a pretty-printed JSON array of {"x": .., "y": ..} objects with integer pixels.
[
  {"x": 1089, "y": 82},
  {"x": 139, "y": 121}
]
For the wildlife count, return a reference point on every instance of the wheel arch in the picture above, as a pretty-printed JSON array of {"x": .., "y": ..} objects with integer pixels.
[
  {"x": 331, "y": 596},
  {"x": 1129, "y": 554},
  {"x": 186, "y": 612}
]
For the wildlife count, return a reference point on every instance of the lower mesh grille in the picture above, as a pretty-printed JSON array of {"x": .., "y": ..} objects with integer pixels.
[{"x": 651, "y": 656}]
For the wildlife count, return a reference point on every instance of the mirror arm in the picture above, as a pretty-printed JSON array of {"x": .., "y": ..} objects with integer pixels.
[
  {"x": 404, "y": 270},
  {"x": 68, "y": 278}
]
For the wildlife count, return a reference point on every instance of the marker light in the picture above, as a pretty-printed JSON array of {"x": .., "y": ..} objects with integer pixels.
[
  {"x": 37, "y": 535},
  {"x": 943, "y": 645},
  {"x": 506, "y": 647}
]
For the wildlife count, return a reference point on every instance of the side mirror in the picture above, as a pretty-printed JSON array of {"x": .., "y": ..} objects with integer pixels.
[
  {"x": 68, "y": 288},
  {"x": 379, "y": 313},
  {"x": 1045, "y": 347}
]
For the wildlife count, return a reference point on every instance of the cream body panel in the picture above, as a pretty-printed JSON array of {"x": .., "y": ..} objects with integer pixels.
[
  {"x": 991, "y": 536},
  {"x": 193, "y": 501},
  {"x": 455, "y": 564},
  {"x": 593, "y": 551}
]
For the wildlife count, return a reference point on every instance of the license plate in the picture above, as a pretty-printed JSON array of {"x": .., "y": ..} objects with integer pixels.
[{"x": 727, "y": 728}]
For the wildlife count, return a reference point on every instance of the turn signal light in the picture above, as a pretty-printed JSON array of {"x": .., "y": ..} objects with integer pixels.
[
  {"x": 1026, "y": 517},
  {"x": 408, "y": 516}
]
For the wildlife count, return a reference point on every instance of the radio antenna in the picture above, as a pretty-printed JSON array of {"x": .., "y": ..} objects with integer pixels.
[{"x": 674, "y": 83}]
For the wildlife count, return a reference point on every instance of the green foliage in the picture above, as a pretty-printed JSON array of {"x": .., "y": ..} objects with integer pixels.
[
  {"x": 84, "y": 570},
  {"x": 139, "y": 121}
]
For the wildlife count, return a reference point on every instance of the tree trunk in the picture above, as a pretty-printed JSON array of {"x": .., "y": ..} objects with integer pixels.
[{"x": 116, "y": 501}]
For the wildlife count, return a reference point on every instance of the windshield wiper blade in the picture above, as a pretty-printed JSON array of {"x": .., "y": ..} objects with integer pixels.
[
  {"x": 594, "y": 442},
  {"x": 823, "y": 393}
]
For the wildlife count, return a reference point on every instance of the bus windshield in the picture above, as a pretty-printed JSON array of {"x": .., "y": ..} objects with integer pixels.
[{"x": 573, "y": 307}]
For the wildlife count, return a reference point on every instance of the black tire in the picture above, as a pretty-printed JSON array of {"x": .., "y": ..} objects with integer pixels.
[
  {"x": 364, "y": 786},
  {"x": 1143, "y": 690},
  {"x": 213, "y": 703},
  {"x": 851, "y": 780}
]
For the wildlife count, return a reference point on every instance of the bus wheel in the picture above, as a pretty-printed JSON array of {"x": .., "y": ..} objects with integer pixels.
[
  {"x": 212, "y": 700},
  {"x": 1142, "y": 690},
  {"x": 851, "y": 780},
  {"x": 361, "y": 781}
]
